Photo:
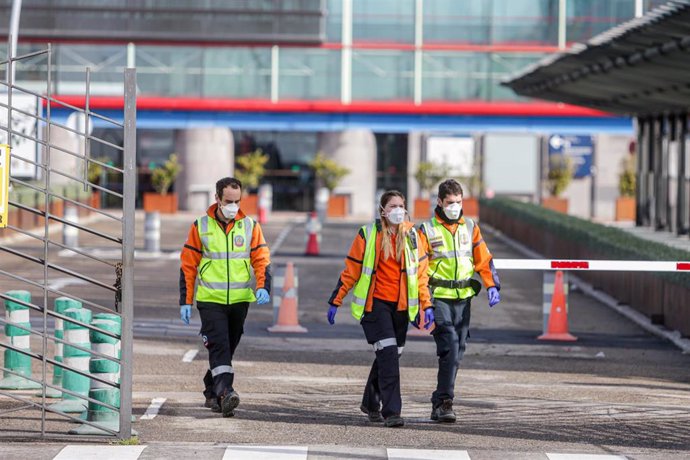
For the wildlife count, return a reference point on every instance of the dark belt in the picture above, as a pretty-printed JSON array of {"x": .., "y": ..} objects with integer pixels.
[{"x": 456, "y": 284}]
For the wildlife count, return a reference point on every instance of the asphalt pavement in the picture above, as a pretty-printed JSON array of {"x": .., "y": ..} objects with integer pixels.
[{"x": 616, "y": 391}]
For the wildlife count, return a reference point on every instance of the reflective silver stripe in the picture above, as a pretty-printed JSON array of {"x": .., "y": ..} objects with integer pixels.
[
  {"x": 452, "y": 254},
  {"x": 359, "y": 301},
  {"x": 225, "y": 255},
  {"x": 203, "y": 222},
  {"x": 413, "y": 302},
  {"x": 400, "y": 350},
  {"x": 412, "y": 271},
  {"x": 383, "y": 343},
  {"x": 222, "y": 370},
  {"x": 367, "y": 271},
  {"x": 224, "y": 285}
]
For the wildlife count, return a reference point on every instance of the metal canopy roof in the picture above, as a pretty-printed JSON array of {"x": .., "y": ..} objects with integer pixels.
[{"x": 641, "y": 67}]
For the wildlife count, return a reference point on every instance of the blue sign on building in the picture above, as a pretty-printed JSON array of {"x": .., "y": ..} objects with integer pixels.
[{"x": 580, "y": 149}]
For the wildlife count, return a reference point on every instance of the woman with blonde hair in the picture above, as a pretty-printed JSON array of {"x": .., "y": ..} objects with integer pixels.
[{"x": 389, "y": 274}]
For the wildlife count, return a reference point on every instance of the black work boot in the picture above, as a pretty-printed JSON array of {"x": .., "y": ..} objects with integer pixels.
[
  {"x": 444, "y": 412},
  {"x": 394, "y": 421},
  {"x": 212, "y": 403},
  {"x": 374, "y": 415},
  {"x": 228, "y": 402}
]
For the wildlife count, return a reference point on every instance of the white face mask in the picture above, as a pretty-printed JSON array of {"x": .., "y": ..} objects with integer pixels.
[
  {"x": 453, "y": 211},
  {"x": 230, "y": 210},
  {"x": 396, "y": 216}
]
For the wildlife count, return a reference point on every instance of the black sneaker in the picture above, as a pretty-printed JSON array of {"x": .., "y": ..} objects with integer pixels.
[
  {"x": 444, "y": 413},
  {"x": 212, "y": 403},
  {"x": 394, "y": 421},
  {"x": 374, "y": 415},
  {"x": 229, "y": 402}
]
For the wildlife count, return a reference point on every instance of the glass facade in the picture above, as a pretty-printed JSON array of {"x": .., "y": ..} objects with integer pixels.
[{"x": 465, "y": 49}]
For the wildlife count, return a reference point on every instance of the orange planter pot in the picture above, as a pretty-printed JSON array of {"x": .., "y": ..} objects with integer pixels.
[
  {"x": 470, "y": 207},
  {"x": 625, "y": 208},
  {"x": 95, "y": 200},
  {"x": 422, "y": 210},
  {"x": 250, "y": 204},
  {"x": 165, "y": 204},
  {"x": 555, "y": 204},
  {"x": 338, "y": 206}
]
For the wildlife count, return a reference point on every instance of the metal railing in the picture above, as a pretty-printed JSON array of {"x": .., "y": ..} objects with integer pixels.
[{"x": 30, "y": 254}]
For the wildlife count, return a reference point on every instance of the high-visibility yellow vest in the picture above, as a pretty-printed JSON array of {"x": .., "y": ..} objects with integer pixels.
[
  {"x": 224, "y": 271},
  {"x": 361, "y": 291},
  {"x": 452, "y": 261}
]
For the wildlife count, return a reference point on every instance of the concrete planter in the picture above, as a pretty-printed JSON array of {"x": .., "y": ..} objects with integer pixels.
[
  {"x": 165, "y": 204},
  {"x": 422, "y": 209},
  {"x": 338, "y": 206},
  {"x": 625, "y": 208},
  {"x": 555, "y": 204}
]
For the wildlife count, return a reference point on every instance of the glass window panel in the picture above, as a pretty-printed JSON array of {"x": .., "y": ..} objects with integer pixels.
[
  {"x": 450, "y": 21},
  {"x": 587, "y": 18},
  {"x": 502, "y": 66},
  {"x": 237, "y": 72},
  {"x": 107, "y": 64},
  {"x": 334, "y": 20},
  {"x": 527, "y": 22},
  {"x": 454, "y": 76},
  {"x": 383, "y": 21},
  {"x": 169, "y": 70},
  {"x": 308, "y": 73},
  {"x": 382, "y": 75}
]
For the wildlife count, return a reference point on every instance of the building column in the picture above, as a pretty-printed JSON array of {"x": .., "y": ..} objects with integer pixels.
[
  {"x": 206, "y": 155},
  {"x": 642, "y": 193},
  {"x": 659, "y": 157},
  {"x": 355, "y": 149},
  {"x": 682, "y": 210}
]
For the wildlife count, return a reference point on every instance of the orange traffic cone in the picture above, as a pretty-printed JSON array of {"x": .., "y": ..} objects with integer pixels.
[
  {"x": 557, "y": 328},
  {"x": 288, "y": 320},
  {"x": 313, "y": 227}
]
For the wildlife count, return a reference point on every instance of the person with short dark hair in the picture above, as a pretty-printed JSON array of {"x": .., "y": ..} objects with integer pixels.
[
  {"x": 388, "y": 273},
  {"x": 220, "y": 248},
  {"x": 456, "y": 251}
]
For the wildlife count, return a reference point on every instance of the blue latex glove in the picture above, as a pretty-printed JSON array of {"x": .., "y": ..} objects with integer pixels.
[
  {"x": 494, "y": 296},
  {"x": 185, "y": 313},
  {"x": 332, "y": 310},
  {"x": 262, "y": 296},
  {"x": 428, "y": 317}
]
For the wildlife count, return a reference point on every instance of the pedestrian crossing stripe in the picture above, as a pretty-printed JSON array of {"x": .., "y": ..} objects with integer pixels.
[{"x": 250, "y": 452}]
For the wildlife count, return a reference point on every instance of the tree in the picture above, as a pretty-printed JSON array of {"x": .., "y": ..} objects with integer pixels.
[
  {"x": 428, "y": 175},
  {"x": 250, "y": 168},
  {"x": 560, "y": 174},
  {"x": 164, "y": 176},
  {"x": 328, "y": 171},
  {"x": 627, "y": 179}
]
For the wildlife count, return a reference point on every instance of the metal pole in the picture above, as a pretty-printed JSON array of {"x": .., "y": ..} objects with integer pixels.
[
  {"x": 639, "y": 8},
  {"x": 562, "y": 24},
  {"x": 129, "y": 189},
  {"x": 152, "y": 231},
  {"x": 14, "y": 36},
  {"x": 346, "y": 54},
  {"x": 46, "y": 241}
]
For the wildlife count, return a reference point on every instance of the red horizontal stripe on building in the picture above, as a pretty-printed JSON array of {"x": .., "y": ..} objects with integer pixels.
[
  {"x": 683, "y": 266},
  {"x": 582, "y": 264},
  {"x": 479, "y": 108}
]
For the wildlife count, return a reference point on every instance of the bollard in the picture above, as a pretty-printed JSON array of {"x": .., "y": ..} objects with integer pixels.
[
  {"x": 18, "y": 338},
  {"x": 106, "y": 370},
  {"x": 70, "y": 234},
  {"x": 321, "y": 203},
  {"x": 152, "y": 232},
  {"x": 265, "y": 202},
  {"x": 62, "y": 304},
  {"x": 313, "y": 228},
  {"x": 77, "y": 359}
]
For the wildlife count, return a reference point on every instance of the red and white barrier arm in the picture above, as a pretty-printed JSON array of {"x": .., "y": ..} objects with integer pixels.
[{"x": 594, "y": 265}]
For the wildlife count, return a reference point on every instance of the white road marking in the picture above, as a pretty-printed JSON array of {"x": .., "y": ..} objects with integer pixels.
[
  {"x": 153, "y": 409},
  {"x": 427, "y": 454},
  {"x": 266, "y": 453},
  {"x": 100, "y": 452},
  {"x": 190, "y": 355},
  {"x": 282, "y": 236},
  {"x": 584, "y": 457}
]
